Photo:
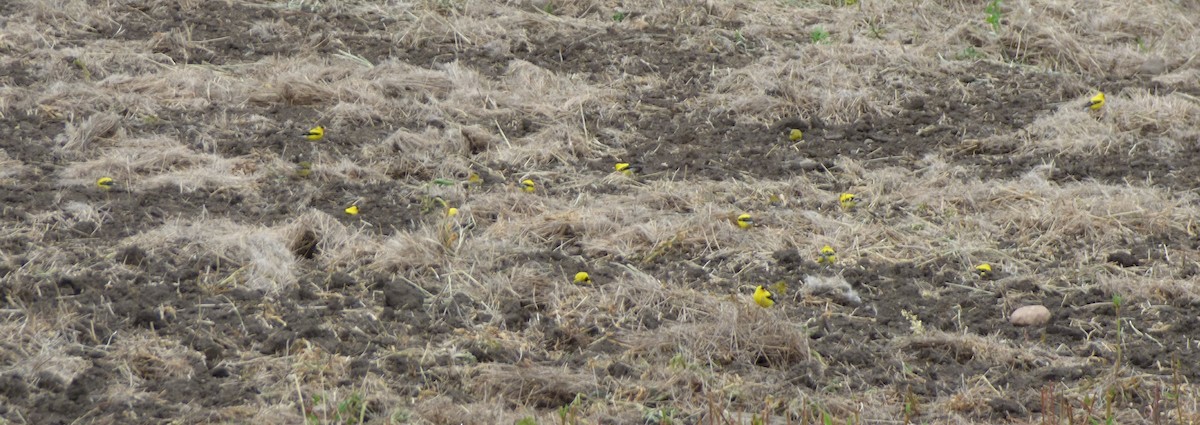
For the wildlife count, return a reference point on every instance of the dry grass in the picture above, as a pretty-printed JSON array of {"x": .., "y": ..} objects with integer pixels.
[{"x": 666, "y": 327}]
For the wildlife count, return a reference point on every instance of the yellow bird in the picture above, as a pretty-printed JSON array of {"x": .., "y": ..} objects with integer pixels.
[
  {"x": 352, "y": 210},
  {"x": 627, "y": 168},
  {"x": 848, "y": 201},
  {"x": 984, "y": 270},
  {"x": 745, "y": 221},
  {"x": 304, "y": 168},
  {"x": 1096, "y": 102},
  {"x": 528, "y": 185},
  {"x": 827, "y": 255},
  {"x": 315, "y": 133},
  {"x": 582, "y": 277},
  {"x": 104, "y": 183},
  {"x": 795, "y": 135},
  {"x": 780, "y": 288},
  {"x": 763, "y": 297}
]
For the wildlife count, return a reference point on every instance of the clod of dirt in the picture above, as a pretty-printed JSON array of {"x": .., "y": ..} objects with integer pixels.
[
  {"x": 1030, "y": 315},
  {"x": 1123, "y": 259},
  {"x": 400, "y": 295},
  {"x": 478, "y": 140},
  {"x": 790, "y": 259},
  {"x": 340, "y": 280},
  {"x": 1154, "y": 65},
  {"x": 785, "y": 125},
  {"x": 306, "y": 245},
  {"x": 71, "y": 286},
  {"x": 914, "y": 103},
  {"x": 13, "y": 387},
  {"x": 620, "y": 370},
  {"x": 220, "y": 372},
  {"x": 1018, "y": 284},
  {"x": 517, "y": 313},
  {"x": 1064, "y": 373},
  {"x": 459, "y": 310},
  {"x": 89, "y": 385},
  {"x": 49, "y": 381},
  {"x": 1004, "y": 407},
  {"x": 132, "y": 255}
]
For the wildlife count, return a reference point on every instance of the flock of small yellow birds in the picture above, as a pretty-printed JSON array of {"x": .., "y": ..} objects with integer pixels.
[
  {"x": 762, "y": 296},
  {"x": 848, "y": 201}
]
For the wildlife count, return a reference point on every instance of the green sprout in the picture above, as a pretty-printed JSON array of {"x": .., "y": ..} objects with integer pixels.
[
  {"x": 819, "y": 36},
  {"x": 968, "y": 53},
  {"x": 993, "y": 14}
]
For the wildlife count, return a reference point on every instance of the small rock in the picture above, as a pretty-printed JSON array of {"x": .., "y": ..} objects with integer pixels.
[
  {"x": 803, "y": 164},
  {"x": 1030, "y": 315}
]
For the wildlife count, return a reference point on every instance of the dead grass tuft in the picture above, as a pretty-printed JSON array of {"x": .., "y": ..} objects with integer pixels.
[
  {"x": 79, "y": 136},
  {"x": 148, "y": 357},
  {"x": 965, "y": 347},
  {"x": 10, "y": 168},
  {"x": 292, "y": 90},
  {"x": 540, "y": 387},
  {"x": 260, "y": 257},
  {"x": 735, "y": 333}
]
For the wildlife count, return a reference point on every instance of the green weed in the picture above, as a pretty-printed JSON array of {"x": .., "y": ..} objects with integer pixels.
[
  {"x": 968, "y": 53},
  {"x": 993, "y": 14},
  {"x": 351, "y": 411},
  {"x": 567, "y": 414},
  {"x": 663, "y": 416},
  {"x": 819, "y": 36}
]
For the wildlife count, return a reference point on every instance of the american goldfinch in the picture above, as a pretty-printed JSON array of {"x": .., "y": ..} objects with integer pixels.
[
  {"x": 104, "y": 183},
  {"x": 304, "y": 168},
  {"x": 528, "y": 185},
  {"x": 1096, "y": 102},
  {"x": 780, "y": 288},
  {"x": 984, "y": 270},
  {"x": 795, "y": 135},
  {"x": 827, "y": 255},
  {"x": 763, "y": 297},
  {"x": 352, "y": 210},
  {"x": 627, "y": 168},
  {"x": 582, "y": 277},
  {"x": 848, "y": 201},
  {"x": 315, "y": 133},
  {"x": 745, "y": 221}
]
